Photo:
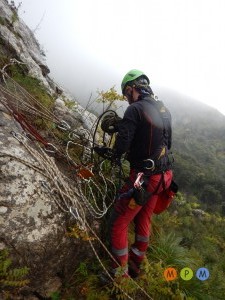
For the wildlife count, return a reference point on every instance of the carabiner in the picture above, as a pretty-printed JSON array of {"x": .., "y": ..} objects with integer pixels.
[
  {"x": 64, "y": 125},
  {"x": 53, "y": 150},
  {"x": 19, "y": 137},
  {"x": 138, "y": 183},
  {"x": 152, "y": 162}
]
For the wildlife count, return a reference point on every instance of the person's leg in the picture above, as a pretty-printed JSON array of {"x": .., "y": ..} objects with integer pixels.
[
  {"x": 119, "y": 238},
  {"x": 142, "y": 223},
  {"x": 143, "y": 219},
  {"x": 124, "y": 211}
]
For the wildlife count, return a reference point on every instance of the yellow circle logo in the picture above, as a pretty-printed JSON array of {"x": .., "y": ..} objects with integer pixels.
[{"x": 186, "y": 274}]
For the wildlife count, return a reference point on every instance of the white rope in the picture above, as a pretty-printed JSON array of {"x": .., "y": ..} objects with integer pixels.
[
  {"x": 69, "y": 200},
  {"x": 69, "y": 196}
]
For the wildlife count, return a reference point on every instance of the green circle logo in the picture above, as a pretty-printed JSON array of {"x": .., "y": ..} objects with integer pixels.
[{"x": 186, "y": 274}]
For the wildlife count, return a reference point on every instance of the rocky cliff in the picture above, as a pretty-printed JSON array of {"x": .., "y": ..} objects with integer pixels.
[{"x": 33, "y": 220}]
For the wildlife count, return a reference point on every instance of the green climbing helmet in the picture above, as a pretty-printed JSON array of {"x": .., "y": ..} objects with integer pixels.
[{"x": 131, "y": 76}]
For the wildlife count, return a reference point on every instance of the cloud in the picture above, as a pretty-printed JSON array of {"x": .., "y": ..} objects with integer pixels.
[{"x": 92, "y": 44}]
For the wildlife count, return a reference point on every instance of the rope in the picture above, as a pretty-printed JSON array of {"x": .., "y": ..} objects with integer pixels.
[
  {"x": 70, "y": 196},
  {"x": 68, "y": 200},
  {"x": 61, "y": 187},
  {"x": 14, "y": 101},
  {"x": 67, "y": 194},
  {"x": 112, "y": 258},
  {"x": 24, "y": 100}
]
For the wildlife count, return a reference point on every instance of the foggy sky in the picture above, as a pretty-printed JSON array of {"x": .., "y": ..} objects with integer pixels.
[{"x": 91, "y": 44}]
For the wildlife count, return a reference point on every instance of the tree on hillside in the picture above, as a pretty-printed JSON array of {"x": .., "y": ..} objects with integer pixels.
[{"x": 108, "y": 98}]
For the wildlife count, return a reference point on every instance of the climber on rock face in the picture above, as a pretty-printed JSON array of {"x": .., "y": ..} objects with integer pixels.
[{"x": 145, "y": 135}]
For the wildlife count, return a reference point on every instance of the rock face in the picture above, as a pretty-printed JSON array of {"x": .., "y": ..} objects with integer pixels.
[
  {"x": 32, "y": 226},
  {"x": 22, "y": 45},
  {"x": 21, "y": 40}
]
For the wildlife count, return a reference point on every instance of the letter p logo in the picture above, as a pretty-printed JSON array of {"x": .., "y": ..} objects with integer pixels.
[{"x": 186, "y": 274}]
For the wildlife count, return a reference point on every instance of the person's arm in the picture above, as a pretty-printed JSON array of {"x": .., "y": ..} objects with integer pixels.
[{"x": 126, "y": 130}]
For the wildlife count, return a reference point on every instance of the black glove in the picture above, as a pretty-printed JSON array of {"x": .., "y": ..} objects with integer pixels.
[
  {"x": 104, "y": 152},
  {"x": 110, "y": 122},
  {"x": 108, "y": 153}
]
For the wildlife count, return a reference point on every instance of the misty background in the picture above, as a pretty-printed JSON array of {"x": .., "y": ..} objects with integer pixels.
[{"x": 91, "y": 45}]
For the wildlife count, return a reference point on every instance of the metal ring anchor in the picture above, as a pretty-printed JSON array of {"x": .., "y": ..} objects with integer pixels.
[{"x": 152, "y": 162}]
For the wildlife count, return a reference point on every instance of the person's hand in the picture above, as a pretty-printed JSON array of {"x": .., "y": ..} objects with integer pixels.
[
  {"x": 110, "y": 122},
  {"x": 108, "y": 153},
  {"x": 104, "y": 152}
]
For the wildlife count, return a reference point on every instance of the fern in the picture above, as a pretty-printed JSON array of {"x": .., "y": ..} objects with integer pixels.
[
  {"x": 9, "y": 276},
  {"x": 14, "y": 283}
]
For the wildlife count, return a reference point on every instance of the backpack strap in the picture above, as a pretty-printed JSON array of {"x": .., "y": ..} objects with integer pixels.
[{"x": 165, "y": 117}]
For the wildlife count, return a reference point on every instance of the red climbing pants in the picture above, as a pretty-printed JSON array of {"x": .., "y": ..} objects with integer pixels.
[{"x": 126, "y": 210}]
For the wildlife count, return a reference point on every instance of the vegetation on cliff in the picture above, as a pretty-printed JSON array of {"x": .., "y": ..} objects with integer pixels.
[{"x": 189, "y": 235}]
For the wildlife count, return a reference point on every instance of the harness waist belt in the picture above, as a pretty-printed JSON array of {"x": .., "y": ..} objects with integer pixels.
[{"x": 154, "y": 166}]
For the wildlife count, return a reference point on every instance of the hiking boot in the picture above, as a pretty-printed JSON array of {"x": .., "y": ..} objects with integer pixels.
[
  {"x": 104, "y": 279},
  {"x": 133, "y": 269},
  {"x": 115, "y": 276}
]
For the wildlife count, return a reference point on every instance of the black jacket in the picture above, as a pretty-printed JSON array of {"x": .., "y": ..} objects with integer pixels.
[{"x": 144, "y": 130}]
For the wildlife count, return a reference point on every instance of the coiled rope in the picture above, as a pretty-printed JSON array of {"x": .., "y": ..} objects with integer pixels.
[{"x": 71, "y": 197}]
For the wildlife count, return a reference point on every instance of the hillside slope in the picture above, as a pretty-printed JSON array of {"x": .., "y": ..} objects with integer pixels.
[{"x": 198, "y": 147}]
